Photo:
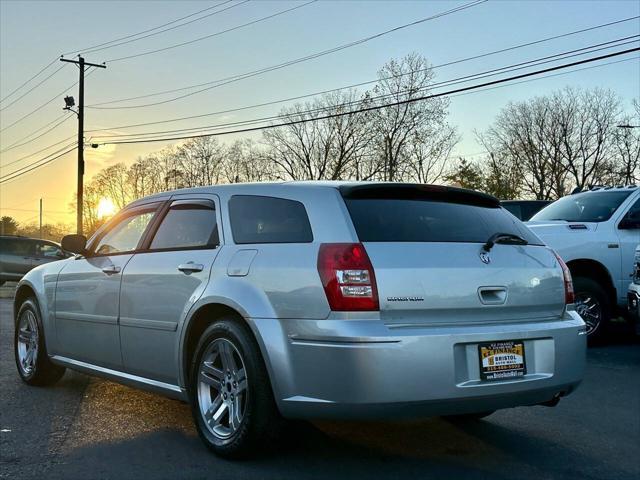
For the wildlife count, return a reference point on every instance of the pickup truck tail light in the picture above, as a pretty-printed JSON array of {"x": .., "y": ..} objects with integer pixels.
[
  {"x": 348, "y": 277},
  {"x": 569, "y": 296}
]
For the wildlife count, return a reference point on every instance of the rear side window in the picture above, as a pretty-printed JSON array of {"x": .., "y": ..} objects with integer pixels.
[
  {"x": 404, "y": 220},
  {"x": 187, "y": 225},
  {"x": 258, "y": 219},
  {"x": 16, "y": 247}
]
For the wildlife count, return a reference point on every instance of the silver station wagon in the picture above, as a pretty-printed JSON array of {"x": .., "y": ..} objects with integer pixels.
[{"x": 263, "y": 302}]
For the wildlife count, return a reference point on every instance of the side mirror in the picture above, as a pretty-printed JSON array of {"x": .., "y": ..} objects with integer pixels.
[
  {"x": 629, "y": 224},
  {"x": 74, "y": 243}
]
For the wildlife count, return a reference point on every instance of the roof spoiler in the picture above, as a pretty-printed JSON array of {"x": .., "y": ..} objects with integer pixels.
[{"x": 416, "y": 191}]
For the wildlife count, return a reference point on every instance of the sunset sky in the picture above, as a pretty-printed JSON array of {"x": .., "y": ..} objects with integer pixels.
[{"x": 32, "y": 34}]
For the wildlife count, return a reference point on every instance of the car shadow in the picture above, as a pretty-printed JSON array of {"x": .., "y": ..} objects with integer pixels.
[{"x": 434, "y": 448}]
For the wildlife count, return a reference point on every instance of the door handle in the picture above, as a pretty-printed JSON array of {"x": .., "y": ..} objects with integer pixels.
[
  {"x": 190, "y": 267},
  {"x": 111, "y": 269}
]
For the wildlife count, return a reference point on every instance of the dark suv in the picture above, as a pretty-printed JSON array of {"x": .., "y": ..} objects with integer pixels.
[{"x": 18, "y": 255}]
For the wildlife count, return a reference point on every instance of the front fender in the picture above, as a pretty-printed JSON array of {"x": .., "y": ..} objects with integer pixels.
[{"x": 42, "y": 282}]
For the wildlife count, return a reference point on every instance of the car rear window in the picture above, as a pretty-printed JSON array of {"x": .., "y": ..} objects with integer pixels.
[
  {"x": 259, "y": 219},
  {"x": 406, "y": 220}
]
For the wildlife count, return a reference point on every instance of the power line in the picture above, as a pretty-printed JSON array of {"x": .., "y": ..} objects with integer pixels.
[
  {"x": 103, "y": 46},
  {"x": 475, "y": 57},
  {"x": 37, "y": 152},
  {"x": 37, "y": 109},
  {"x": 378, "y": 107},
  {"x": 463, "y": 79},
  {"x": 33, "y": 167},
  {"x": 454, "y": 93},
  {"x": 33, "y": 88},
  {"x": 166, "y": 30},
  {"x": 18, "y": 145},
  {"x": 299, "y": 97},
  {"x": 29, "y": 79},
  {"x": 288, "y": 63},
  {"x": 237, "y": 27}
]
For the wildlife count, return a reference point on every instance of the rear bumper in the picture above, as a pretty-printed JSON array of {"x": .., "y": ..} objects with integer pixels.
[{"x": 365, "y": 369}]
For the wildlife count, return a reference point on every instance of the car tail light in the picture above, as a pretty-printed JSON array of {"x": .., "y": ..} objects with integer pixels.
[
  {"x": 347, "y": 276},
  {"x": 569, "y": 296}
]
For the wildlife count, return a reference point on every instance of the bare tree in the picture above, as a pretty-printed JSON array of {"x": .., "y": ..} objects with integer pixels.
[
  {"x": 400, "y": 127},
  {"x": 244, "y": 162},
  {"x": 200, "y": 161},
  {"x": 319, "y": 148}
]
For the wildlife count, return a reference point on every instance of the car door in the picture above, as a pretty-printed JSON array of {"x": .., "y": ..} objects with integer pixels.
[
  {"x": 628, "y": 231},
  {"x": 163, "y": 281},
  {"x": 88, "y": 291}
]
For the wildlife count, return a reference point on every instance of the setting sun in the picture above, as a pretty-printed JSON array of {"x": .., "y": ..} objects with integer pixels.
[{"x": 106, "y": 208}]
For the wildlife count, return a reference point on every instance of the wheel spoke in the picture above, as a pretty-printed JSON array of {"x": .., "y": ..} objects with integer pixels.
[
  {"x": 211, "y": 375},
  {"x": 234, "y": 413},
  {"x": 215, "y": 405},
  {"x": 242, "y": 380},
  {"x": 24, "y": 336},
  {"x": 228, "y": 362},
  {"x": 218, "y": 413}
]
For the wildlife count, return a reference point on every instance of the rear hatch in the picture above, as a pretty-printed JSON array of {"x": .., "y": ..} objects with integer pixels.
[{"x": 427, "y": 248}]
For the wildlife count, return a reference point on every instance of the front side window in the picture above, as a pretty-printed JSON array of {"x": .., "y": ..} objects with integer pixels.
[
  {"x": 125, "y": 235},
  {"x": 258, "y": 219},
  {"x": 583, "y": 207},
  {"x": 187, "y": 225}
]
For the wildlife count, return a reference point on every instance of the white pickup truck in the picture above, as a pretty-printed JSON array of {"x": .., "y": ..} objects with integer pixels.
[{"x": 596, "y": 233}]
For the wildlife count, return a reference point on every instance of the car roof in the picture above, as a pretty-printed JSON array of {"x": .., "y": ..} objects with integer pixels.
[
  {"x": 609, "y": 188},
  {"x": 342, "y": 185}
]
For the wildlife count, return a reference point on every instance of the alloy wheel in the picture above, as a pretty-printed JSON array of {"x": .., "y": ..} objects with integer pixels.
[
  {"x": 28, "y": 342},
  {"x": 589, "y": 308},
  {"x": 222, "y": 388}
]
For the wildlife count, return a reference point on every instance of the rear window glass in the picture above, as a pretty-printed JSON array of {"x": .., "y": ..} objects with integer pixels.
[
  {"x": 401, "y": 220},
  {"x": 258, "y": 219},
  {"x": 584, "y": 207}
]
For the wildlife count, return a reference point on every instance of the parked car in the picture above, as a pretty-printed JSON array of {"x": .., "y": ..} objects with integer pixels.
[
  {"x": 524, "y": 209},
  {"x": 595, "y": 232},
  {"x": 309, "y": 300},
  {"x": 633, "y": 295},
  {"x": 18, "y": 255}
]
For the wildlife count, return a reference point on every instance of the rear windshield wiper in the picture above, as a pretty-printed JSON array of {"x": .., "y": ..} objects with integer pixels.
[{"x": 504, "y": 238}]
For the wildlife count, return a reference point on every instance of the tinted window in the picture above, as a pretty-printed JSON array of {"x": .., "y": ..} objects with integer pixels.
[
  {"x": 514, "y": 208},
  {"x": 16, "y": 246},
  {"x": 257, "y": 219},
  {"x": 400, "y": 220},
  {"x": 583, "y": 207},
  {"x": 48, "y": 250},
  {"x": 187, "y": 226},
  {"x": 124, "y": 235}
]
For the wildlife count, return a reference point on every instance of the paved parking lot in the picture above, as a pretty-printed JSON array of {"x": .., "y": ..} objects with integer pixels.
[{"x": 90, "y": 428}]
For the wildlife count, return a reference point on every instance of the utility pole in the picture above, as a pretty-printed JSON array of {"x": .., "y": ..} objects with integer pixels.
[
  {"x": 41, "y": 219},
  {"x": 81, "y": 65}
]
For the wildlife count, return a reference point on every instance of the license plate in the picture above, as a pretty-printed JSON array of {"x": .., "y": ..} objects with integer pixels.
[{"x": 502, "y": 360}]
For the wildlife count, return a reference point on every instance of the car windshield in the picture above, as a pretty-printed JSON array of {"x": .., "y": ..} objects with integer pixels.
[{"x": 583, "y": 207}]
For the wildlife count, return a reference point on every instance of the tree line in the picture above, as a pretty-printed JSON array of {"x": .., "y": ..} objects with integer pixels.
[{"x": 541, "y": 148}]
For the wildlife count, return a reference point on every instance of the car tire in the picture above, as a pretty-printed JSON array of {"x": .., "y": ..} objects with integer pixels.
[
  {"x": 232, "y": 401},
  {"x": 592, "y": 304},
  {"x": 30, "y": 351},
  {"x": 465, "y": 417}
]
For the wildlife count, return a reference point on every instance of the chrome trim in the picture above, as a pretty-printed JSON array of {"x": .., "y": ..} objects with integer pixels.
[
  {"x": 150, "y": 324},
  {"x": 87, "y": 317},
  {"x": 173, "y": 391}
]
